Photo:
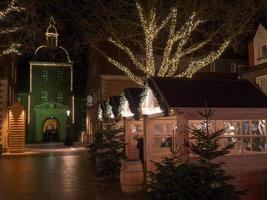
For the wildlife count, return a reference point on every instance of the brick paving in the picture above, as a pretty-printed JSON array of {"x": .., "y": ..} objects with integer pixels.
[{"x": 66, "y": 175}]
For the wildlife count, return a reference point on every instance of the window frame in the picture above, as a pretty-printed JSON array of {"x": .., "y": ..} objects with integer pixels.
[
  {"x": 44, "y": 95},
  {"x": 44, "y": 75},
  {"x": 59, "y": 97},
  {"x": 240, "y": 146},
  {"x": 59, "y": 75},
  {"x": 264, "y": 45}
]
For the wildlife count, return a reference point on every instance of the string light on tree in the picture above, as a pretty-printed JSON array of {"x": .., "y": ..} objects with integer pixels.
[
  {"x": 176, "y": 47},
  {"x": 13, "y": 47}
]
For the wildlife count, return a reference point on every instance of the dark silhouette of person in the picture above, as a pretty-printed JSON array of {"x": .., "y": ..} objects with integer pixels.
[{"x": 140, "y": 147}]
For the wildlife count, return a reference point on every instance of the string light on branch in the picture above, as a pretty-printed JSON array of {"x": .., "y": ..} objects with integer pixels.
[
  {"x": 176, "y": 47},
  {"x": 129, "y": 53},
  {"x": 126, "y": 71},
  {"x": 13, "y": 48},
  {"x": 10, "y": 8},
  {"x": 196, "y": 65}
]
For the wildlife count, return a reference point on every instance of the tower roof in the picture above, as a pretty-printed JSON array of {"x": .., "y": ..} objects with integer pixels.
[
  {"x": 51, "y": 28},
  {"x": 51, "y": 52}
]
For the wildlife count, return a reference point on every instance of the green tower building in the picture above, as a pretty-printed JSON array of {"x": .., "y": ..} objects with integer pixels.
[{"x": 51, "y": 109}]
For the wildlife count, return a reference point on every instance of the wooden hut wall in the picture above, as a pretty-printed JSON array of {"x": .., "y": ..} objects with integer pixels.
[
  {"x": 133, "y": 129},
  {"x": 157, "y": 138}
]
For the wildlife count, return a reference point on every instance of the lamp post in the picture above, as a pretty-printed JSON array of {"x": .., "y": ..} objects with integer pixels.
[{"x": 68, "y": 139}]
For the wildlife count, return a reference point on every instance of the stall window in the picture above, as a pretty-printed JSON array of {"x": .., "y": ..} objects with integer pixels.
[
  {"x": 162, "y": 133},
  {"x": 264, "y": 51},
  {"x": 248, "y": 135},
  {"x": 136, "y": 131}
]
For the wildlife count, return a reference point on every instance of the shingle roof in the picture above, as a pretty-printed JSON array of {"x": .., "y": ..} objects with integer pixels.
[{"x": 181, "y": 92}]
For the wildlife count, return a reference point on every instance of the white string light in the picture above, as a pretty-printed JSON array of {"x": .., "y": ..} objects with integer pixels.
[
  {"x": 13, "y": 47},
  {"x": 174, "y": 50},
  {"x": 11, "y": 7}
]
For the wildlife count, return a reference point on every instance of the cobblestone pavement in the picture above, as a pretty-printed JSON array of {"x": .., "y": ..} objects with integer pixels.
[{"x": 54, "y": 176}]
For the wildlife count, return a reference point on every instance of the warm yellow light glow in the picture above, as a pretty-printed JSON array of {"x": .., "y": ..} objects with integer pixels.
[
  {"x": 150, "y": 105},
  {"x": 73, "y": 109},
  {"x": 126, "y": 112},
  {"x": 30, "y": 77},
  {"x": 29, "y": 108},
  {"x": 175, "y": 50}
]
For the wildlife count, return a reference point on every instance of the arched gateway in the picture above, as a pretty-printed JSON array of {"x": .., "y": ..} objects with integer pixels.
[
  {"x": 51, "y": 130},
  {"x": 51, "y": 122}
]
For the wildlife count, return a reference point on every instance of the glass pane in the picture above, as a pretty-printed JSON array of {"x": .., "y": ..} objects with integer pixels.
[
  {"x": 255, "y": 127},
  {"x": 259, "y": 144},
  {"x": 169, "y": 128},
  {"x": 137, "y": 128},
  {"x": 237, "y": 141},
  {"x": 246, "y": 144},
  {"x": 262, "y": 127},
  {"x": 245, "y": 127},
  {"x": 158, "y": 129},
  {"x": 232, "y": 128},
  {"x": 163, "y": 142}
]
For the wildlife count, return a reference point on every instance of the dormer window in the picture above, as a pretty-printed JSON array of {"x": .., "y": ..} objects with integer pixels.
[{"x": 263, "y": 51}]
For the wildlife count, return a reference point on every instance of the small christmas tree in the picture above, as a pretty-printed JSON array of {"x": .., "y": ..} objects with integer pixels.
[
  {"x": 203, "y": 179},
  {"x": 110, "y": 149}
]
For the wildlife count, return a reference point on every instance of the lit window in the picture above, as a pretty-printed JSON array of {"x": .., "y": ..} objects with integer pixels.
[
  {"x": 264, "y": 51},
  {"x": 162, "y": 134},
  {"x": 44, "y": 97},
  {"x": 233, "y": 67},
  {"x": 59, "y": 97},
  {"x": 59, "y": 75},
  {"x": 44, "y": 75},
  {"x": 248, "y": 135}
]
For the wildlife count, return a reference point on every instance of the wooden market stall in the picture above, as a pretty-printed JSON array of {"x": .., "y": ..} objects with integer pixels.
[
  {"x": 239, "y": 106},
  {"x": 16, "y": 128}
]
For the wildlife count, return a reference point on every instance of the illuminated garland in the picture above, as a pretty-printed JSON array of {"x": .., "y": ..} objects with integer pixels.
[
  {"x": 13, "y": 48},
  {"x": 130, "y": 54},
  {"x": 174, "y": 50},
  {"x": 196, "y": 65},
  {"x": 126, "y": 71}
]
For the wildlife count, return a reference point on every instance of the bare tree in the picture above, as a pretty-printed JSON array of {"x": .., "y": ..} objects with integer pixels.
[
  {"x": 188, "y": 36},
  {"x": 7, "y": 29}
]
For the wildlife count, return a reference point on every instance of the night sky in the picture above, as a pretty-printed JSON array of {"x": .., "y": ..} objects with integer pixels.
[{"x": 79, "y": 23}]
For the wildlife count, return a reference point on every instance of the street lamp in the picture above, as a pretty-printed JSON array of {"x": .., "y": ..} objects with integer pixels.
[{"x": 68, "y": 140}]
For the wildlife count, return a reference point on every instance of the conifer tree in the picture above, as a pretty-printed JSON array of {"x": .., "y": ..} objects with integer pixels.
[
  {"x": 110, "y": 148},
  {"x": 202, "y": 179}
]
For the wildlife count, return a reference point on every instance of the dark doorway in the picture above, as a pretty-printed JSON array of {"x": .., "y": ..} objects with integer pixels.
[{"x": 51, "y": 130}]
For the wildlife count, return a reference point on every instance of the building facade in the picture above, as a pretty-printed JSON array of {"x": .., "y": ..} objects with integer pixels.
[
  {"x": 51, "y": 102},
  {"x": 103, "y": 81},
  {"x": 8, "y": 74},
  {"x": 257, "y": 54}
]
